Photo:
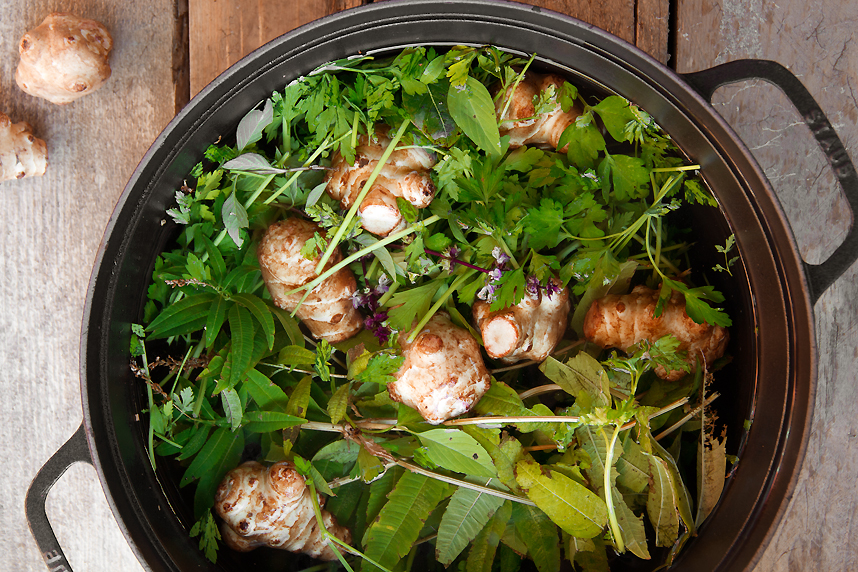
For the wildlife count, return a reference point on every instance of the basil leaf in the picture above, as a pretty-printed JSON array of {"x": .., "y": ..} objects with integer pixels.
[{"x": 472, "y": 108}]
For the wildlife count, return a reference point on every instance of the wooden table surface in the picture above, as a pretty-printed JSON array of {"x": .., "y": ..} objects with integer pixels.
[{"x": 166, "y": 50}]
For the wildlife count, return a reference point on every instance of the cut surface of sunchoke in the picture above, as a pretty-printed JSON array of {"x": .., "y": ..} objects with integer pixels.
[
  {"x": 521, "y": 121},
  {"x": 328, "y": 311},
  {"x": 621, "y": 321},
  {"x": 443, "y": 374},
  {"x": 22, "y": 154},
  {"x": 405, "y": 174},
  {"x": 529, "y": 330},
  {"x": 64, "y": 58},
  {"x": 273, "y": 507}
]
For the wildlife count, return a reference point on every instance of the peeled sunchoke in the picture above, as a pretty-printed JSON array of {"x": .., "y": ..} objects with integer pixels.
[
  {"x": 21, "y": 153},
  {"x": 328, "y": 311},
  {"x": 621, "y": 321},
  {"x": 522, "y": 122},
  {"x": 443, "y": 374},
  {"x": 64, "y": 58},
  {"x": 528, "y": 330},
  {"x": 273, "y": 507},
  {"x": 405, "y": 174}
]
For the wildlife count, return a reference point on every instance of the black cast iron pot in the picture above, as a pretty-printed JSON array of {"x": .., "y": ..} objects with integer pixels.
[{"x": 771, "y": 380}]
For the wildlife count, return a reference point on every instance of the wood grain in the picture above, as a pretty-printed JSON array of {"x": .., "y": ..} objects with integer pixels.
[
  {"x": 815, "y": 41},
  {"x": 224, "y": 31},
  {"x": 51, "y": 229}
]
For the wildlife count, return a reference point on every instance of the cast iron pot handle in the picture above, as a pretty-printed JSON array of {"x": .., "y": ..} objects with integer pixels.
[
  {"x": 73, "y": 451},
  {"x": 820, "y": 276}
]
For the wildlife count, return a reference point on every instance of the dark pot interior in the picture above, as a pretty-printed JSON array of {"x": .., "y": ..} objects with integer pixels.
[{"x": 770, "y": 380}]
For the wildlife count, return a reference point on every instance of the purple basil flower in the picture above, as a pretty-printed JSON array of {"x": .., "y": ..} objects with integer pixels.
[
  {"x": 495, "y": 274},
  {"x": 499, "y": 255},
  {"x": 533, "y": 285}
]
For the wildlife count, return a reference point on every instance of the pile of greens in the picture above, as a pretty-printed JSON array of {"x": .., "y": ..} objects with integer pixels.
[{"x": 579, "y": 457}]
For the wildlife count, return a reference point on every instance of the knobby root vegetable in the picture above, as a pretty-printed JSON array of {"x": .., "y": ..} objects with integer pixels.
[
  {"x": 405, "y": 174},
  {"x": 521, "y": 122},
  {"x": 64, "y": 58},
  {"x": 21, "y": 153},
  {"x": 621, "y": 321},
  {"x": 273, "y": 507},
  {"x": 443, "y": 374},
  {"x": 528, "y": 330},
  {"x": 328, "y": 311}
]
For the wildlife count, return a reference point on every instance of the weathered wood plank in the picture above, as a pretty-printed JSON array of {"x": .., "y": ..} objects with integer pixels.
[
  {"x": 51, "y": 229},
  {"x": 652, "y": 23},
  {"x": 614, "y": 16},
  {"x": 816, "y": 42},
  {"x": 224, "y": 31}
]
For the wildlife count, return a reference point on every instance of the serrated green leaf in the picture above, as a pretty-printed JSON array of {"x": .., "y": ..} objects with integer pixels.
[
  {"x": 631, "y": 526},
  {"x": 391, "y": 536},
  {"x": 580, "y": 373},
  {"x": 380, "y": 368},
  {"x": 184, "y": 317},
  {"x": 467, "y": 513},
  {"x": 215, "y": 319},
  {"x": 473, "y": 110},
  {"x": 221, "y": 453},
  {"x": 296, "y": 355},
  {"x": 266, "y": 421},
  {"x": 539, "y": 534},
  {"x": 195, "y": 443},
  {"x": 232, "y": 407},
  {"x": 482, "y": 553},
  {"x": 261, "y": 311},
  {"x": 339, "y": 403},
  {"x": 408, "y": 305},
  {"x": 242, "y": 334},
  {"x": 457, "y": 451},
  {"x": 570, "y": 505},
  {"x": 633, "y": 468},
  {"x": 661, "y": 503},
  {"x": 267, "y": 394},
  {"x": 290, "y": 326},
  {"x": 299, "y": 400}
]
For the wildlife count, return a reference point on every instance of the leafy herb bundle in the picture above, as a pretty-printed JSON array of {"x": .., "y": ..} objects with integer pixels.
[{"x": 577, "y": 476}]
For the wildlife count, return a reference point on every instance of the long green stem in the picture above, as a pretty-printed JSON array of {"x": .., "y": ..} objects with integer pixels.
[
  {"x": 308, "y": 287},
  {"x": 335, "y": 241},
  {"x": 441, "y": 301},
  {"x": 612, "y": 514}
]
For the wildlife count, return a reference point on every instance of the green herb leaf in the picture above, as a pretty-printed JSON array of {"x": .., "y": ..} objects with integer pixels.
[
  {"x": 265, "y": 392},
  {"x": 184, "y": 317},
  {"x": 234, "y": 218},
  {"x": 472, "y": 108},
  {"x": 251, "y": 125},
  {"x": 296, "y": 355},
  {"x": 338, "y": 404},
  {"x": 662, "y": 502},
  {"x": 580, "y": 373},
  {"x": 457, "y": 451},
  {"x": 380, "y": 368},
  {"x": 266, "y": 421},
  {"x": 232, "y": 407},
  {"x": 391, "y": 536},
  {"x": 539, "y": 534},
  {"x": 242, "y": 333},
  {"x": 482, "y": 553},
  {"x": 407, "y": 306},
  {"x": 467, "y": 513},
  {"x": 261, "y": 311}
]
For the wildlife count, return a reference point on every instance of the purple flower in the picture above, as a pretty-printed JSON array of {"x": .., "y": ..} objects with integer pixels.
[
  {"x": 551, "y": 289},
  {"x": 533, "y": 285},
  {"x": 501, "y": 256},
  {"x": 487, "y": 293},
  {"x": 495, "y": 274}
]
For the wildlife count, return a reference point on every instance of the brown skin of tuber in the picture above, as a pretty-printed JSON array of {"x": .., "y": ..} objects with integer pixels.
[
  {"x": 621, "y": 321},
  {"x": 64, "y": 58},
  {"x": 530, "y": 330},
  {"x": 443, "y": 374},
  {"x": 405, "y": 174},
  {"x": 520, "y": 121},
  {"x": 328, "y": 311},
  {"x": 22, "y": 154},
  {"x": 273, "y": 507}
]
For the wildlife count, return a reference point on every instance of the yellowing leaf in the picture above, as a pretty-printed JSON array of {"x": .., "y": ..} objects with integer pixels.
[
  {"x": 661, "y": 503},
  {"x": 457, "y": 451},
  {"x": 570, "y": 505}
]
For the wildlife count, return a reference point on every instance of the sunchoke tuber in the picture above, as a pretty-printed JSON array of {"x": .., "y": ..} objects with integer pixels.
[
  {"x": 522, "y": 122},
  {"x": 621, "y": 321},
  {"x": 273, "y": 507},
  {"x": 328, "y": 311},
  {"x": 405, "y": 174},
  {"x": 64, "y": 58},
  {"x": 21, "y": 153},
  {"x": 443, "y": 374},
  {"x": 528, "y": 330}
]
